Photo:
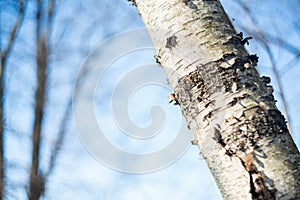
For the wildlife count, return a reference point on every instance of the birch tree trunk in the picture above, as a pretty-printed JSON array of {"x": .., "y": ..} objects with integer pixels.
[{"x": 228, "y": 106}]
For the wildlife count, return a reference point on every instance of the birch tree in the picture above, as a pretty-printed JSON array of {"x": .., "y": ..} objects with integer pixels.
[{"x": 230, "y": 109}]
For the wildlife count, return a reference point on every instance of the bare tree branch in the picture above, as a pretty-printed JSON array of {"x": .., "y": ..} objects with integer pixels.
[
  {"x": 63, "y": 124},
  {"x": 13, "y": 34},
  {"x": 4, "y": 58},
  {"x": 290, "y": 65},
  {"x": 36, "y": 182},
  {"x": 59, "y": 140},
  {"x": 68, "y": 111},
  {"x": 62, "y": 130},
  {"x": 40, "y": 183}
]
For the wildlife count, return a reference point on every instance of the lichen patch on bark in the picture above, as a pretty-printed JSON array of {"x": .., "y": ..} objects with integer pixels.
[
  {"x": 251, "y": 108},
  {"x": 258, "y": 187}
]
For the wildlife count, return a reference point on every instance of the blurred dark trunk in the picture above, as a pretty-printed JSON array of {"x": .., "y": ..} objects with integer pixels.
[
  {"x": 4, "y": 54},
  {"x": 36, "y": 184}
]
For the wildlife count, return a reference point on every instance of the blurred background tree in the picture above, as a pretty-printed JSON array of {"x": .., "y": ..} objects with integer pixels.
[{"x": 43, "y": 44}]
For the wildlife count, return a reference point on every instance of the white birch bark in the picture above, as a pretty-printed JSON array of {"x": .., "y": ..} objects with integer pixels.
[{"x": 228, "y": 106}]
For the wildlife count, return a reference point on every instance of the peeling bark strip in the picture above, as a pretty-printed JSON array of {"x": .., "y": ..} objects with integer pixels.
[
  {"x": 258, "y": 186},
  {"x": 172, "y": 98},
  {"x": 257, "y": 122},
  {"x": 229, "y": 108},
  {"x": 256, "y": 116}
]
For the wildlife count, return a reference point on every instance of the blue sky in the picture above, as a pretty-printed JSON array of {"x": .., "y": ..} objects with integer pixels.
[{"x": 80, "y": 30}]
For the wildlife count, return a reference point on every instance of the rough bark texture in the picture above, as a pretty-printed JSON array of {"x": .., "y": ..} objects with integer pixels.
[{"x": 228, "y": 106}]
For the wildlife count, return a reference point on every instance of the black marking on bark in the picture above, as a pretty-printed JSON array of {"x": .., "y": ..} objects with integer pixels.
[
  {"x": 208, "y": 18},
  {"x": 228, "y": 56},
  {"x": 230, "y": 76},
  {"x": 246, "y": 40},
  {"x": 190, "y": 4},
  {"x": 266, "y": 79},
  {"x": 241, "y": 63},
  {"x": 210, "y": 114},
  {"x": 253, "y": 59},
  {"x": 171, "y": 42},
  {"x": 201, "y": 97},
  {"x": 232, "y": 118},
  {"x": 157, "y": 59},
  {"x": 132, "y": 2},
  {"x": 270, "y": 89},
  {"x": 254, "y": 123},
  {"x": 243, "y": 40},
  {"x": 277, "y": 116},
  {"x": 240, "y": 35},
  {"x": 230, "y": 68},
  {"x": 234, "y": 40},
  {"x": 210, "y": 102},
  {"x": 267, "y": 98},
  {"x": 267, "y": 122},
  {"x": 193, "y": 79},
  {"x": 218, "y": 135},
  {"x": 201, "y": 83},
  {"x": 235, "y": 100},
  {"x": 238, "y": 39},
  {"x": 185, "y": 91}
]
